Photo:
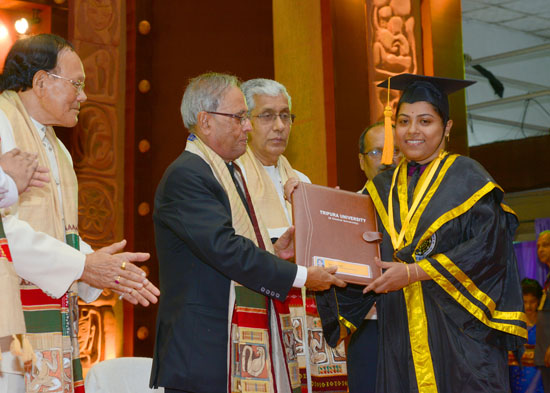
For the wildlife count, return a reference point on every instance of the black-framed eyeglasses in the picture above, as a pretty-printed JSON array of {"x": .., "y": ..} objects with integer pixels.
[
  {"x": 269, "y": 117},
  {"x": 241, "y": 118},
  {"x": 377, "y": 153},
  {"x": 79, "y": 86}
]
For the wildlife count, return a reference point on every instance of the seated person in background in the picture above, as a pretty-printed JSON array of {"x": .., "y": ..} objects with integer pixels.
[
  {"x": 266, "y": 170},
  {"x": 542, "y": 348},
  {"x": 525, "y": 377}
]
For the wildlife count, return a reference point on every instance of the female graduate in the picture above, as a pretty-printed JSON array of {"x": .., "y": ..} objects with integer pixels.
[{"x": 451, "y": 302}]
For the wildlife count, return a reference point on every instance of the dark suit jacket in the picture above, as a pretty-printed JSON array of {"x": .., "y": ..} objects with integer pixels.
[{"x": 199, "y": 254}]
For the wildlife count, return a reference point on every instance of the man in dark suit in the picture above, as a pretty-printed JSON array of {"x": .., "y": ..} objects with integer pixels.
[{"x": 213, "y": 256}]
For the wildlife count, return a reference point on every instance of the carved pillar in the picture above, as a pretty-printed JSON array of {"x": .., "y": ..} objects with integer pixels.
[
  {"x": 97, "y": 29},
  {"x": 418, "y": 37},
  {"x": 393, "y": 47}
]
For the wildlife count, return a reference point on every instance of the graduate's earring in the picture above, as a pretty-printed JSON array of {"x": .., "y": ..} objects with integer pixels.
[{"x": 448, "y": 136}]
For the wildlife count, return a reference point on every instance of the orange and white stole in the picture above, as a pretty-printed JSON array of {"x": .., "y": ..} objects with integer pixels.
[{"x": 258, "y": 345}]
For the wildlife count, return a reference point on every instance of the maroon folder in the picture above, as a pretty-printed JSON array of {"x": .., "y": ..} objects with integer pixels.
[{"x": 336, "y": 227}]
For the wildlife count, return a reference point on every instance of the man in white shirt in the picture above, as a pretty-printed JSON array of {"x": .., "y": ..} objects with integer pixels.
[
  {"x": 42, "y": 86},
  {"x": 267, "y": 170}
]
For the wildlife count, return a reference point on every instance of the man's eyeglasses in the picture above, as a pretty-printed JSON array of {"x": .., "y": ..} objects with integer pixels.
[
  {"x": 269, "y": 117},
  {"x": 79, "y": 86},
  {"x": 377, "y": 153},
  {"x": 241, "y": 118}
]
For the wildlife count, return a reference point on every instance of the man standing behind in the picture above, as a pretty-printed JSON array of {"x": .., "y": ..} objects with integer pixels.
[
  {"x": 265, "y": 167},
  {"x": 363, "y": 344},
  {"x": 219, "y": 325},
  {"x": 371, "y": 144},
  {"x": 266, "y": 170},
  {"x": 42, "y": 85}
]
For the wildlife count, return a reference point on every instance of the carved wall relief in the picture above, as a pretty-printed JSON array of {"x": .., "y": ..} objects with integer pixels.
[
  {"x": 98, "y": 21},
  {"x": 93, "y": 144},
  {"x": 97, "y": 149},
  {"x": 393, "y": 46}
]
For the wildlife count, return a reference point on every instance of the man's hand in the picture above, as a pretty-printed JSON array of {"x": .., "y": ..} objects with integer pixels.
[
  {"x": 39, "y": 178},
  {"x": 290, "y": 186},
  {"x": 106, "y": 268},
  {"x": 321, "y": 278},
  {"x": 284, "y": 246},
  {"x": 20, "y": 166}
]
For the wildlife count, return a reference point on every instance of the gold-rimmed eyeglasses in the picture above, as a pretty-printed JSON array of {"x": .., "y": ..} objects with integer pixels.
[{"x": 79, "y": 86}]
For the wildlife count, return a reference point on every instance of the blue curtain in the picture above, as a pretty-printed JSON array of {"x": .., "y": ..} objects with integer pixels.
[{"x": 526, "y": 253}]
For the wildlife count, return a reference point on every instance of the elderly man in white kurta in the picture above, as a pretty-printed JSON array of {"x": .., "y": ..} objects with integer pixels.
[
  {"x": 42, "y": 85},
  {"x": 267, "y": 170}
]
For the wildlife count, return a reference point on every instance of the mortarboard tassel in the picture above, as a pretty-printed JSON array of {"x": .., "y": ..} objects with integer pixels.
[{"x": 387, "y": 153}]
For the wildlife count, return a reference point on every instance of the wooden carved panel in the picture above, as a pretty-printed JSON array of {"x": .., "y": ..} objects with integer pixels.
[
  {"x": 102, "y": 72},
  {"x": 393, "y": 46},
  {"x": 93, "y": 143},
  {"x": 97, "y": 147},
  {"x": 95, "y": 210},
  {"x": 98, "y": 21}
]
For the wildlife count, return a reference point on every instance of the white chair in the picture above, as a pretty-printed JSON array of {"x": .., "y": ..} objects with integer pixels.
[{"x": 121, "y": 375}]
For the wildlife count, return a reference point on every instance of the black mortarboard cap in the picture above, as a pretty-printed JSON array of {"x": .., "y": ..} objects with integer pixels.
[
  {"x": 416, "y": 88},
  {"x": 444, "y": 85}
]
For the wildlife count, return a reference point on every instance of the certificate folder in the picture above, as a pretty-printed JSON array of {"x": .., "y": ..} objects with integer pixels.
[{"x": 336, "y": 228}]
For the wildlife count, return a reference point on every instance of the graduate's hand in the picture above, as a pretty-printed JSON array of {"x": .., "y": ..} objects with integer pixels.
[
  {"x": 284, "y": 246},
  {"x": 547, "y": 357},
  {"x": 290, "y": 186},
  {"x": 322, "y": 278},
  {"x": 394, "y": 278}
]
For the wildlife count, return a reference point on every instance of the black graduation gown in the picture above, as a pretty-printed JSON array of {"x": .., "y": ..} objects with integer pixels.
[{"x": 451, "y": 333}]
